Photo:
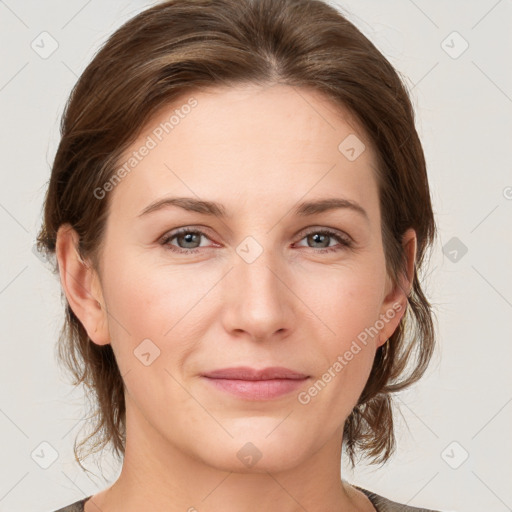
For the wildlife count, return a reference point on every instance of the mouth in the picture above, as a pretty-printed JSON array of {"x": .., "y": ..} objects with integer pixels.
[{"x": 252, "y": 384}]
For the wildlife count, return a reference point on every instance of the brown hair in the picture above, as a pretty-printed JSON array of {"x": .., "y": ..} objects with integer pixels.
[{"x": 181, "y": 46}]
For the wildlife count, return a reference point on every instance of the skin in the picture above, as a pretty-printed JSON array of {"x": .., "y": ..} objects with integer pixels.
[{"x": 259, "y": 151}]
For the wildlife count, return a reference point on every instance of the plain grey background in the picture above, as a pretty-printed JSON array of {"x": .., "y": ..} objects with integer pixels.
[{"x": 453, "y": 450}]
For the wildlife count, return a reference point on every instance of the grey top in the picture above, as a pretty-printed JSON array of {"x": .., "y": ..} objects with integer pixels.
[{"x": 380, "y": 503}]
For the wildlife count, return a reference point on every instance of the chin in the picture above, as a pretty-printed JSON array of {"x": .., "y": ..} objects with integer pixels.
[{"x": 260, "y": 447}]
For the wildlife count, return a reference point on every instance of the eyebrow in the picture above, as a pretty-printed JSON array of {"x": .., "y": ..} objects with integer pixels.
[{"x": 218, "y": 210}]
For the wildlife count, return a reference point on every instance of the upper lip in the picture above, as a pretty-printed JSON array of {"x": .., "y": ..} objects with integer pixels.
[{"x": 248, "y": 373}]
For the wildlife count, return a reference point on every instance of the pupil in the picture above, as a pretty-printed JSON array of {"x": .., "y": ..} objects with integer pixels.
[
  {"x": 188, "y": 237},
  {"x": 316, "y": 236}
]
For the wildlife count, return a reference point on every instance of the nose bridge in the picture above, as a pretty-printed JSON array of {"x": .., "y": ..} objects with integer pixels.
[
  {"x": 257, "y": 268},
  {"x": 259, "y": 301}
]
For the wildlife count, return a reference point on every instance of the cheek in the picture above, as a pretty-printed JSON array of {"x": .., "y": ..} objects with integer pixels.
[
  {"x": 346, "y": 300},
  {"x": 161, "y": 303},
  {"x": 347, "y": 303},
  {"x": 140, "y": 293},
  {"x": 176, "y": 304}
]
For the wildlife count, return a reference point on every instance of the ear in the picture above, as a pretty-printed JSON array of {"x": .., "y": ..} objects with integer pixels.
[
  {"x": 81, "y": 285},
  {"x": 395, "y": 301}
]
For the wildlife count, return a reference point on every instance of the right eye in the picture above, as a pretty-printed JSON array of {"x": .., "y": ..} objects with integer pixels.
[{"x": 184, "y": 236}]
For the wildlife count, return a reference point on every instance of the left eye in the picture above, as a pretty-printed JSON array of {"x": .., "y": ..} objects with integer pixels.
[
  {"x": 191, "y": 238},
  {"x": 320, "y": 236}
]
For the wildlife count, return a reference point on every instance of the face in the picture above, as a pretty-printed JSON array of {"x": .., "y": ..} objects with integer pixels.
[{"x": 259, "y": 279}]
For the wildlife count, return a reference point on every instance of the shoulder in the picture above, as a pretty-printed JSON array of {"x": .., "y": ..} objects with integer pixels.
[
  {"x": 78, "y": 506},
  {"x": 382, "y": 504}
]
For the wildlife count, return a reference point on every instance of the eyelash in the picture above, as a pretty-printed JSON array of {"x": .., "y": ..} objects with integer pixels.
[{"x": 345, "y": 242}]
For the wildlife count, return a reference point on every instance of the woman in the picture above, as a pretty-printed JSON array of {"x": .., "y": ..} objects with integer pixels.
[{"x": 239, "y": 209}]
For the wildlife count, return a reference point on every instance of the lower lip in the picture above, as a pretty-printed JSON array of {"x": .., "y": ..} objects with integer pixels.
[{"x": 257, "y": 389}]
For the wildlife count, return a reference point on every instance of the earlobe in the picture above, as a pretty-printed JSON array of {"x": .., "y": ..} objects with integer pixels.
[
  {"x": 81, "y": 286},
  {"x": 396, "y": 300}
]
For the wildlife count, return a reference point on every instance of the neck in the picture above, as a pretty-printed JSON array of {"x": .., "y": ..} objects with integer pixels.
[{"x": 158, "y": 475}]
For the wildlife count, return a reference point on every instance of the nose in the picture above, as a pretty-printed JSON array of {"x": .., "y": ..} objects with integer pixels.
[{"x": 258, "y": 301}]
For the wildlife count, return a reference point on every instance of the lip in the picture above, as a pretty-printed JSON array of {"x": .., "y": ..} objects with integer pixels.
[
  {"x": 253, "y": 384},
  {"x": 248, "y": 373}
]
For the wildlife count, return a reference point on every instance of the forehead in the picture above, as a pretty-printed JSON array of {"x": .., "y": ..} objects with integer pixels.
[{"x": 265, "y": 145}]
